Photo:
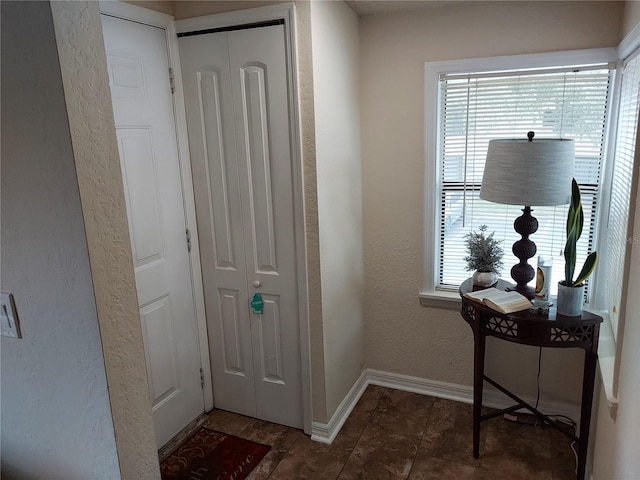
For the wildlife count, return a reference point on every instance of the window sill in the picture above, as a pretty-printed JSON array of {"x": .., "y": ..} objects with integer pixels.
[
  {"x": 606, "y": 360},
  {"x": 440, "y": 299}
]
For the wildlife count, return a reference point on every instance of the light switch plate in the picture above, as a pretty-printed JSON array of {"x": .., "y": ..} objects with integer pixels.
[{"x": 9, "y": 316}]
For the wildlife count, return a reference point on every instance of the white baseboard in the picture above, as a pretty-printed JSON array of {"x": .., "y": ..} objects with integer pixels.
[
  {"x": 463, "y": 393},
  {"x": 326, "y": 433},
  {"x": 433, "y": 388}
]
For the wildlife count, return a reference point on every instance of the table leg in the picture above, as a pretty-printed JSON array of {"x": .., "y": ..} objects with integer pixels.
[
  {"x": 478, "y": 374},
  {"x": 590, "y": 360}
]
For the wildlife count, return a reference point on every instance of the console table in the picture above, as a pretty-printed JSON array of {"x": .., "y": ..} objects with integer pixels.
[{"x": 540, "y": 330}]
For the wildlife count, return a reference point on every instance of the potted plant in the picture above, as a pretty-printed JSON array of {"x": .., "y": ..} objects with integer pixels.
[
  {"x": 484, "y": 256},
  {"x": 570, "y": 291}
]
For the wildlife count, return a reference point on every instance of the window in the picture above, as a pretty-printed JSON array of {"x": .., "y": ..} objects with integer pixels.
[
  {"x": 564, "y": 95},
  {"x": 474, "y": 108},
  {"x": 621, "y": 193}
]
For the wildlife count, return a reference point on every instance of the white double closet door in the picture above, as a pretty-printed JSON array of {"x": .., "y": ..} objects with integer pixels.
[{"x": 238, "y": 122}]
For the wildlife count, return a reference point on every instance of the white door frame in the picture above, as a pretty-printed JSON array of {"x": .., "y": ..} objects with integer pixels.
[
  {"x": 286, "y": 12},
  {"x": 144, "y": 16}
]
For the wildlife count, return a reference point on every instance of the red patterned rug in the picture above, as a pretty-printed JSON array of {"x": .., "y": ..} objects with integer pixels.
[{"x": 211, "y": 455}]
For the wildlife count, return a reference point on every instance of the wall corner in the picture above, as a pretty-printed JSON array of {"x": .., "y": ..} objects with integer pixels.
[{"x": 82, "y": 58}]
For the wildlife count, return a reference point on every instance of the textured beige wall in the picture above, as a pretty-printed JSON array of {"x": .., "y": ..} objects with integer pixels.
[
  {"x": 631, "y": 16},
  {"x": 162, "y": 6},
  {"x": 400, "y": 335},
  {"x": 86, "y": 89},
  {"x": 191, "y": 8},
  {"x": 56, "y": 418},
  {"x": 337, "y": 126},
  {"x": 312, "y": 234}
]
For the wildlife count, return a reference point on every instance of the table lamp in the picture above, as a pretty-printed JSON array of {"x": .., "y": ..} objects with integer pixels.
[{"x": 529, "y": 173}]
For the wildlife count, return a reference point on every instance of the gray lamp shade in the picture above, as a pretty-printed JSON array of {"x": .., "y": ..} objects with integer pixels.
[{"x": 536, "y": 173}]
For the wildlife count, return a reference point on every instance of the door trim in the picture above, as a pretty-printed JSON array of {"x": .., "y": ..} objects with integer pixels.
[
  {"x": 286, "y": 12},
  {"x": 280, "y": 11},
  {"x": 144, "y": 16}
]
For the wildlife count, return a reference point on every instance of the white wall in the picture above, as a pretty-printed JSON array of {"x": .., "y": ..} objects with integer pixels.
[
  {"x": 400, "y": 335},
  {"x": 56, "y": 419},
  {"x": 334, "y": 29}
]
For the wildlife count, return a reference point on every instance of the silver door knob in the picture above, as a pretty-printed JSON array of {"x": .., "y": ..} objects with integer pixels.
[{"x": 256, "y": 283}]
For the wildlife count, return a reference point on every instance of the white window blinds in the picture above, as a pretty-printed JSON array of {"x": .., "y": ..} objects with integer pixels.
[
  {"x": 621, "y": 187},
  {"x": 475, "y": 108}
]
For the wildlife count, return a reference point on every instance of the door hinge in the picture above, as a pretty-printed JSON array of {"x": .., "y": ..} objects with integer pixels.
[
  {"x": 201, "y": 378},
  {"x": 188, "y": 239},
  {"x": 172, "y": 80}
]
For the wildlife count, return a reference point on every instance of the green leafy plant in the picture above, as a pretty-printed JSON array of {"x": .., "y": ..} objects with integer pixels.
[
  {"x": 484, "y": 251},
  {"x": 575, "y": 222}
]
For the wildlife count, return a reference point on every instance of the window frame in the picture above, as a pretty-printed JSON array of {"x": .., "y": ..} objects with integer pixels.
[
  {"x": 611, "y": 337},
  {"x": 429, "y": 295}
]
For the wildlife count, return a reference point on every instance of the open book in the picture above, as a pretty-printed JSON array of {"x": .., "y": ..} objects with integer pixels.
[{"x": 499, "y": 300}]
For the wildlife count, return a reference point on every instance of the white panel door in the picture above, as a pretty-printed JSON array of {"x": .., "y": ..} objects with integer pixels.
[
  {"x": 143, "y": 109},
  {"x": 212, "y": 143},
  {"x": 237, "y": 117},
  {"x": 259, "y": 74}
]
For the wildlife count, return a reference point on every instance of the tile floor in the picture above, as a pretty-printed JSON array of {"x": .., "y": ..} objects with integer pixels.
[{"x": 399, "y": 435}]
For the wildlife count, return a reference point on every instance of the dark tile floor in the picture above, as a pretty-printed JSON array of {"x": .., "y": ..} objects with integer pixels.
[{"x": 399, "y": 435}]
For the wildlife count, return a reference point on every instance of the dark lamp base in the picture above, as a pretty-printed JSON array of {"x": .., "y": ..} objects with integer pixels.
[
  {"x": 522, "y": 273},
  {"x": 524, "y": 290}
]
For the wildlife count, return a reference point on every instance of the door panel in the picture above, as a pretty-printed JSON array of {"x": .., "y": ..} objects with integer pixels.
[
  {"x": 157, "y": 320},
  {"x": 220, "y": 180},
  {"x": 229, "y": 316},
  {"x": 238, "y": 120},
  {"x": 141, "y": 190},
  {"x": 261, "y": 102},
  {"x": 270, "y": 335},
  {"x": 143, "y": 110},
  {"x": 125, "y": 75},
  {"x": 212, "y": 141},
  {"x": 253, "y": 105}
]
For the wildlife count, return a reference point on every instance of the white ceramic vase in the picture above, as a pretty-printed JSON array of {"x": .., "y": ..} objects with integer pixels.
[
  {"x": 484, "y": 279},
  {"x": 570, "y": 300}
]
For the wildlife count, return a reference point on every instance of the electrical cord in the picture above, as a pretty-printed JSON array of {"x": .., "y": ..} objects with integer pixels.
[
  {"x": 566, "y": 420},
  {"x": 562, "y": 418},
  {"x": 570, "y": 422}
]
